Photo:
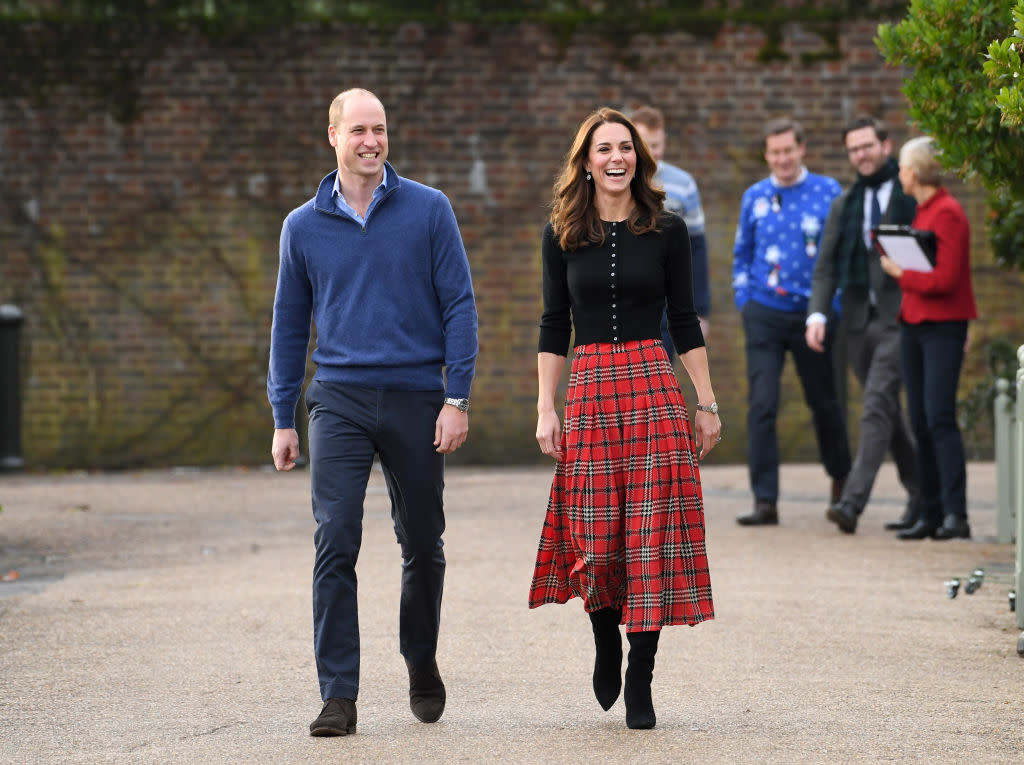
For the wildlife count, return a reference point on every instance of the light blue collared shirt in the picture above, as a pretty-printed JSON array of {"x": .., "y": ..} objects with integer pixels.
[{"x": 345, "y": 207}]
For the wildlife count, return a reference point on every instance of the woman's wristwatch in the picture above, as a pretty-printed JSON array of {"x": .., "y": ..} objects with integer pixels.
[{"x": 712, "y": 407}]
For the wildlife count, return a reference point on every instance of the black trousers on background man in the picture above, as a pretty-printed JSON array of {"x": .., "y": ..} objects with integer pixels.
[
  {"x": 348, "y": 427},
  {"x": 770, "y": 334}
]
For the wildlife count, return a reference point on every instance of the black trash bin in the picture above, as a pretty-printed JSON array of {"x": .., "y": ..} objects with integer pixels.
[{"x": 11, "y": 319}]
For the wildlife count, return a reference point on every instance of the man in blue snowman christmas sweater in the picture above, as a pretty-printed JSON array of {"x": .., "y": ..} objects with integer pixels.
[{"x": 777, "y": 239}]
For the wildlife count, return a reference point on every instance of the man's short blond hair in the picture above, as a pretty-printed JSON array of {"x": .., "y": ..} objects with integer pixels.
[{"x": 338, "y": 104}]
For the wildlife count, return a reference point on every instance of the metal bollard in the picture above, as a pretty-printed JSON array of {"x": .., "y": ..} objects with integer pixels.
[
  {"x": 11, "y": 319},
  {"x": 952, "y": 587},
  {"x": 975, "y": 581},
  {"x": 1004, "y": 414},
  {"x": 1018, "y": 484}
]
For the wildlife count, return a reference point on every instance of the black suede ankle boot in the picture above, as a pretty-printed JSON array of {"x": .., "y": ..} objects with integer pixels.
[
  {"x": 608, "y": 658},
  {"x": 639, "y": 673}
]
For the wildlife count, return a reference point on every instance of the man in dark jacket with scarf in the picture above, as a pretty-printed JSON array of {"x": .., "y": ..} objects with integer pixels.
[{"x": 870, "y": 302}]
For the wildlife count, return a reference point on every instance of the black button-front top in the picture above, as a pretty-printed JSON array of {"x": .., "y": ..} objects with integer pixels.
[{"x": 615, "y": 292}]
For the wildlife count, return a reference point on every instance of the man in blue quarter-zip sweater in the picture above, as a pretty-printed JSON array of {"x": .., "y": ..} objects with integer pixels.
[
  {"x": 377, "y": 261},
  {"x": 777, "y": 241}
]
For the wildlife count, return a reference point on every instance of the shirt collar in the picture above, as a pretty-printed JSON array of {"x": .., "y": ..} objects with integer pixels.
[
  {"x": 800, "y": 179},
  {"x": 381, "y": 187}
]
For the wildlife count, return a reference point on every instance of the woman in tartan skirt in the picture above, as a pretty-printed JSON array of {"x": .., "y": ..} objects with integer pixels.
[{"x": 624, "y": 528}]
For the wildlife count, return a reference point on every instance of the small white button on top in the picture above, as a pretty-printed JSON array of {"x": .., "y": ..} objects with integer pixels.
[{"x": 615, "y": 326}]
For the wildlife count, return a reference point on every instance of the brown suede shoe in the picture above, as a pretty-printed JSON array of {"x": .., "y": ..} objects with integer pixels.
[
  {"x": 337, "y": 718},
  {"x": 763, "y": 514},
  {"x": 426, "y": 692}
]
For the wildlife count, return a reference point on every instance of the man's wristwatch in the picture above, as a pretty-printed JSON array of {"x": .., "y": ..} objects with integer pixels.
[
  {"x": 712, "y": 407},
  {"x": 462, "y": 404}
]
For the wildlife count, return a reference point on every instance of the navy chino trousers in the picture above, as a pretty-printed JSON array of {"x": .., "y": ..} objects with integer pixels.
[
  {"x": 348, "y": 427},
  {"x": 770, "y": 334}
]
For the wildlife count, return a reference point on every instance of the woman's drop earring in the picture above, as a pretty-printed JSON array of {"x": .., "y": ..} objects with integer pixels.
[{"x": 588, "y": 176}]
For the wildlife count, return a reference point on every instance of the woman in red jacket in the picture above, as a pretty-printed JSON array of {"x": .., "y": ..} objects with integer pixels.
[{"x": 936, "y": 307}]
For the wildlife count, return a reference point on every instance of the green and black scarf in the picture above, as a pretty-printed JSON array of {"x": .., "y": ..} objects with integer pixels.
[{"x": 851, "y": 260}]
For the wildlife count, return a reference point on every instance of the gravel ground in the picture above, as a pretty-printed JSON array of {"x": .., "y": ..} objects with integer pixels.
[{"x": 165, "y": 617}]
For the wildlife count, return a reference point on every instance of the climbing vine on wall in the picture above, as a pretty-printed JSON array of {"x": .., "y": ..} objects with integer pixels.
[
  {"x": 143, "y": 270},
  {"x": 105, "y": 47}
]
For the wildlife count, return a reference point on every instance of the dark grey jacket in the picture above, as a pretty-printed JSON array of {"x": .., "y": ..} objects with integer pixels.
[{"x": 856, "y": 301}]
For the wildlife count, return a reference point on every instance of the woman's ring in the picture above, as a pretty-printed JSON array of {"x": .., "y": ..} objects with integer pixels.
[{"x": 718, "y": 439}]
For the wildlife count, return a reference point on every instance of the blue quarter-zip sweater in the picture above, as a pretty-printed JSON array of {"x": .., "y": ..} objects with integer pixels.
[{"x": 392, "y": 299}]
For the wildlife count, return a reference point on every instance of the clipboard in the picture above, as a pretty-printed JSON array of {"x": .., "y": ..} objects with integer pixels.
[{"x": 913, "y": 248}]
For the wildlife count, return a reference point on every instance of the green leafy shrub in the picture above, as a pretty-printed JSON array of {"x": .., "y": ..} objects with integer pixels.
[
  {"x": 1004, "y": 70},
  {"x": 945, "y": 44}
]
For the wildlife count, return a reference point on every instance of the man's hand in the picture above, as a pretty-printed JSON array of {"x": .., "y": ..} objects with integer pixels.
[
  {"x": 815, "y": 336},
  {"x": 285, "y": 448},
  {"x": 451, "y": 429}
]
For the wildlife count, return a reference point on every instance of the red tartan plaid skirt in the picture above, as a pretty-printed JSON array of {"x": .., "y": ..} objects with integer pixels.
[{"x": 625, "y": 520}]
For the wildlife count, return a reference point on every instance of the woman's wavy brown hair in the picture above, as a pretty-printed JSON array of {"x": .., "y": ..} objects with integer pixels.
[{"x": 573, "y": 214}]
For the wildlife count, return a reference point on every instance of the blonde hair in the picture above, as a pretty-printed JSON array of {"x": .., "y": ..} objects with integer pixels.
[
  {"x": 921, "y": 155},
  {"x": 338, "y": 104},
  {"x": 573, "y": 214}
]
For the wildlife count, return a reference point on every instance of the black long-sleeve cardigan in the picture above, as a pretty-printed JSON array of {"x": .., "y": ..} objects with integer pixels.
[{"x": 615, "y": 292}]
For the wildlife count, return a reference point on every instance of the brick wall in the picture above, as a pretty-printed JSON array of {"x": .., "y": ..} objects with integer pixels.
[{"x": 145, "y": 255}]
